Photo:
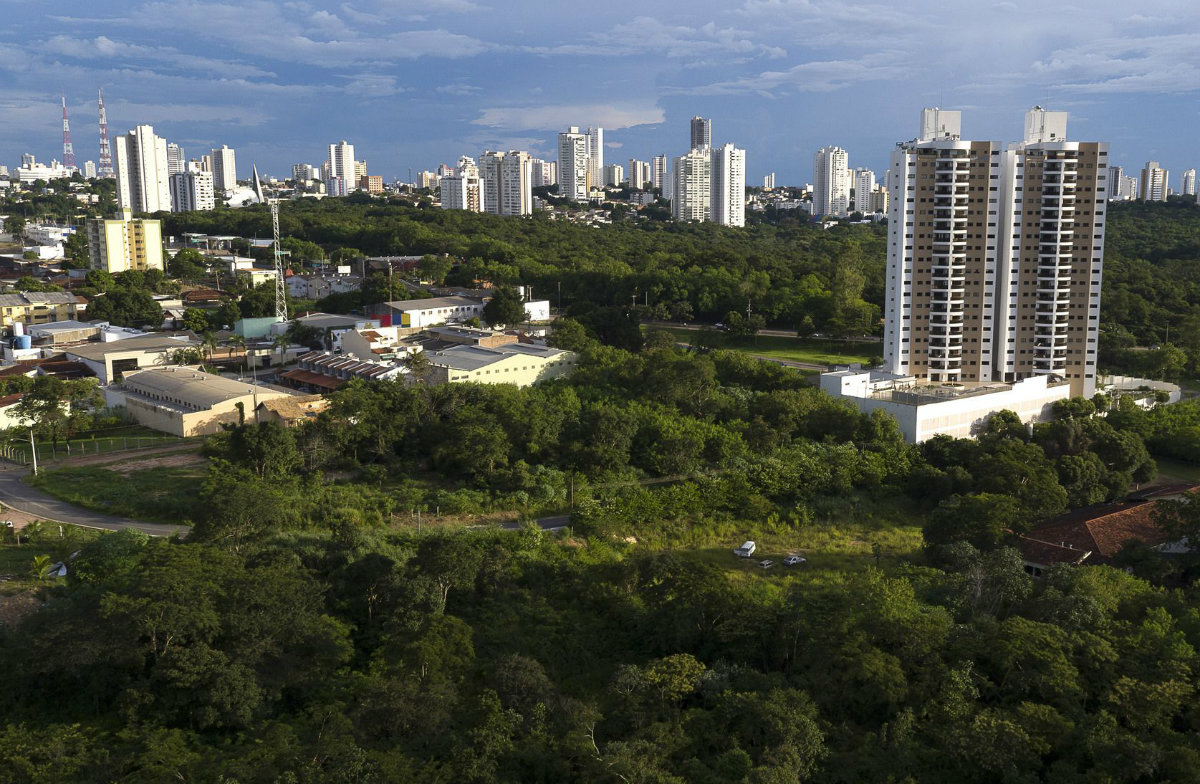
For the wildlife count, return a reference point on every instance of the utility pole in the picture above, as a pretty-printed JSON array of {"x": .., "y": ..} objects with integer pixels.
[{"x": 33, "y": 450}]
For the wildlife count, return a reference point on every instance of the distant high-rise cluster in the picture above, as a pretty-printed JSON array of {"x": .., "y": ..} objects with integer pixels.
[
  {"x": 1153, "y": 186},
  {"x": 707, "y": 183},
  {"x": 1120, "y": 186},
  {"x": 462, "y": 188},
  {"x": 507, "y": 182}
]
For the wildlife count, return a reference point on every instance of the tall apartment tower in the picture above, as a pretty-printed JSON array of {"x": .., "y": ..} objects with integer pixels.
[
  {"x": 658, "y": 172},
  {"x": 864, "y": 186},
  {"x": 340, "y": 164},
  {"x": 701, "y": 133},
  {"x": 176, "y": 159},
  {"x": 637, "y": 178},
  {"x": 595, "y": 162},
  {"x": 140, "y": 167},
  {"x": 124, "y": 243},
  {"x": 573, "y": 163},
  {"x": 995, "y": 256},
  {"x": 463, "y": 189},
  {"x": 1188, "y": 183},
  {"x": 728, "y": 186},
  {"x": 1153, "y": 186},
  {"x": 224, "y": 169},
  {"x": 192, "y": 191},
  {"x": 691, "y": 186},
  {"x": 769, "y": 182},
  {"x": 543, "y": 172},
  {"x": 507, "y": 182},
  {"x": 831, "y": 182}
]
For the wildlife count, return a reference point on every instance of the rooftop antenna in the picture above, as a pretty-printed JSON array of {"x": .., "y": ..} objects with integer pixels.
[{"x": 68, "y": 148}]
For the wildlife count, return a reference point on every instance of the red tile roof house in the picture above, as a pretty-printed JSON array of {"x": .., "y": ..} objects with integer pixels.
[{"x": 1095, "y": 534}]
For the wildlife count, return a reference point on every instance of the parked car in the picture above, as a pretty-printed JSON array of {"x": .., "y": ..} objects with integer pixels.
[
  {"x": 767, "y": 564},
  {"x": 795, "y": 560},
  {"x": 746, "y": 550}
]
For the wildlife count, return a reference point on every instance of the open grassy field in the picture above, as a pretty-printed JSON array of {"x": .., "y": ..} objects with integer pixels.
[
  {"x": 161, "y": 491},
  {"x": 807, "y": 350},
  {"x": 1178, "y": 470}
]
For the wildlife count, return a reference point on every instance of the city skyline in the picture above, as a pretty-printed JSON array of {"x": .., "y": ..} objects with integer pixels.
[{"x": 414, "y": 85}]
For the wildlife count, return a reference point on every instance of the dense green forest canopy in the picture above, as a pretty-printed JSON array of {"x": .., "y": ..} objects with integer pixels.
[
  {"x": 796, "y": 277},
  {"x": 296, "y": 637}
]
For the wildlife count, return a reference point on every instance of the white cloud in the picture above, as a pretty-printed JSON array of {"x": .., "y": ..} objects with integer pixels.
[
  {"x": 116, "y": 52},
  {"x": 1157, "y": 64},
  {"x": 459, "y": 89},
  {"x": 559, "y": 117},
  {"x": 368, "y": 85},
  {"x": 816, "y": 76},
  {"x": 647, "y": 35}
]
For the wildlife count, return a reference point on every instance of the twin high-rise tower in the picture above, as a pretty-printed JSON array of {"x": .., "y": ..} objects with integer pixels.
[{"x": 995, "y": 255}]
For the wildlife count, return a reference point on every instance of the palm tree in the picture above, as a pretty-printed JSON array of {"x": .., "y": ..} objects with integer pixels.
[
  {"x": 210, "y": 343},
  {"x": 281, "y": 343}
]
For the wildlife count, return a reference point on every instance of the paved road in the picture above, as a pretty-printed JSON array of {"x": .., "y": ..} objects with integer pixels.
[{"x": 35, "y": 505}]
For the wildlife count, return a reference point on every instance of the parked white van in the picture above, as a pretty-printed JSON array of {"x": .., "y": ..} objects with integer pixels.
[{"x": 746, "y": 550}]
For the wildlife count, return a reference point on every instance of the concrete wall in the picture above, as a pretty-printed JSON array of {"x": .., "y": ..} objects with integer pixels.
[
  {"x": 1031, "y": 399},
  {"x": 1131, "y": 384}
]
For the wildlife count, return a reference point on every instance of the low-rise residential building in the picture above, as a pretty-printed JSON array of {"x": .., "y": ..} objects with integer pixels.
[
  {"x": 187, "y": 402},
  {"x": 433, "y": 311},
  {"x": 522, "y": 364},
  {"x": 325, "y": 371},
  {"x": 318, "y": 286},
  {"x": 1095, "y": 534},
  {"x": 38, "y": 307}
]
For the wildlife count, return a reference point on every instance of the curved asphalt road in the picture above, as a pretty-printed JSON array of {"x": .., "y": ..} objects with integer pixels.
[{"x": 17, "y": 495}]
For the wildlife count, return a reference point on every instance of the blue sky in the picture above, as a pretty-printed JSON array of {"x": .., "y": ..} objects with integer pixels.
[{"x": 414, "y": 83}]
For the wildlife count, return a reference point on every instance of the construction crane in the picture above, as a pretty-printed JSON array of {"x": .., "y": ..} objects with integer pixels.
[{"x": 281, "y": 313}]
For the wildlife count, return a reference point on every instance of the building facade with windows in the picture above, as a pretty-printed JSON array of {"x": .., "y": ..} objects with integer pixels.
[{"x": 995, "y": 255}]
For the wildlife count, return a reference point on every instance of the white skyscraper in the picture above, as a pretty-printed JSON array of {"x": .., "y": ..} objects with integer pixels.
[
  {"x": 176, "y": 160},
  {"x": 769, "y": 182},
  {"x": 996, "y": 285},
  {"x": 1154, "y": 182},
  {"x": 224, "y": 169},
  {"x": 691, "y": 186},
  {"x": 543, "y": 173},
  {"x": 831, "y": 182},
  {"x": 463, "y": 189},
  {"x": 340, "y": 164},
  {"x": 639, "y": 172},
  {"x": 192, "y": 190},
  {"x": 140, "y": 168},
  {"x": 507, "y": 182},
  {"x": 728, "y": 185},
  {"x": 614, "y": 175},
  {"x": 658, "y": 172},
  {"x": 573, "y": 162},
  {"x": 89, "y": 169},
  {"x": 864, "y": 186},
  {"x": 595, "y": 150},
  {"x": 1189, "y": 182}
]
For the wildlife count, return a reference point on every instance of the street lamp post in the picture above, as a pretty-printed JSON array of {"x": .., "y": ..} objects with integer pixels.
[{"x": 33, "y": 450}]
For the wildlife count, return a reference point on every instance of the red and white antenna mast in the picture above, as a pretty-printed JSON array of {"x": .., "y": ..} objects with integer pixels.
[
  {"x": 68, "y": 150},
  {"x": 105, "y": 169}
]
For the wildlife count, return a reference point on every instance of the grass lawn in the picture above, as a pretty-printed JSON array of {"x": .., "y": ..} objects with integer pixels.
[
  {"x": 164, "y": 494},
  {"x": 1169, "y": 468},
  {"x": 807, "y": 350},
  {"x": 114, "y": 441}
]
